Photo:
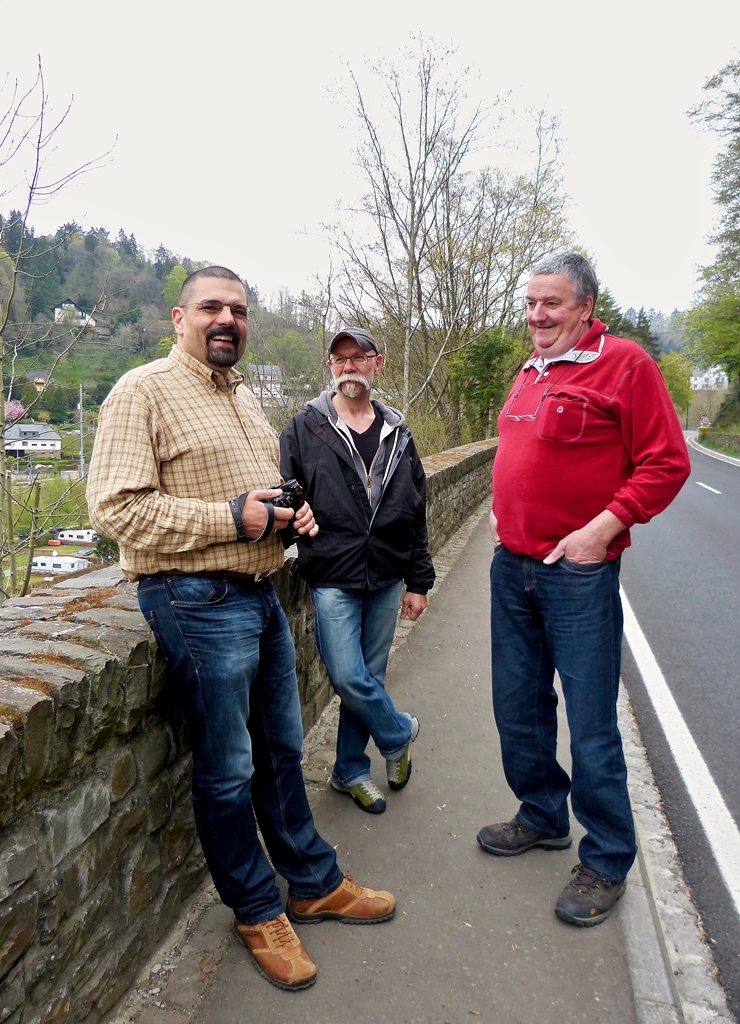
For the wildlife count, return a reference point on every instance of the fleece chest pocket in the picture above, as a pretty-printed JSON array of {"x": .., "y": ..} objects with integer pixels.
[{"x": 562, "y": 417}]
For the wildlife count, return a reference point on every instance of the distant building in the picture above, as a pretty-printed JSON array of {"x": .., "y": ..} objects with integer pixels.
[
  {"x": 74, "y": 315},
  {"x": 58, "y": 564},
  {"x": 84, "y": 535},
  {"x": 267, "y": 383},
  {"x": 713, "y": 379},
  {"x": 32, "y": 439}
]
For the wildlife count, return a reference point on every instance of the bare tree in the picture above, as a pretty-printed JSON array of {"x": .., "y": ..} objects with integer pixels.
[
  {"x": 437, "y": 254},
  {"x": 28, "y": 137}
]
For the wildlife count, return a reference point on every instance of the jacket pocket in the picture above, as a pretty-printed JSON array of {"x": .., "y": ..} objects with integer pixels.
[{"x": 562, "y": 417}]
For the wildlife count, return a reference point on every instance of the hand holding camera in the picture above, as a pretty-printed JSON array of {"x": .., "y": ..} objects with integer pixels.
[
  {"x": 249, "y": 508},
  {"x": 292, "y": 497}
]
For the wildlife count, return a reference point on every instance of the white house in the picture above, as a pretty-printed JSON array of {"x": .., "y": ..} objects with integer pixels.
[
  {"x": 74, "y": 315},
  {"x": 267, "y": 383},
  {"x": 713, "y": 379},
  {"x": 84, "y": 536},
  {"x": 32, "y": 439},
  {"x": 58, "y": 564}
]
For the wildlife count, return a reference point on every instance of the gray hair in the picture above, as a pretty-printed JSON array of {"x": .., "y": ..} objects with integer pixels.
[{"x": 576, "y": 268}]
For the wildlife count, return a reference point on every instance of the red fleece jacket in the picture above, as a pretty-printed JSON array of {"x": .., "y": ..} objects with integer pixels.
[{"x": 595, "y": 435}]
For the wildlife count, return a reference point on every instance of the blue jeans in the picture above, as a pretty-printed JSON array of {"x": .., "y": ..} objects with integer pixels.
[
  {"x": 567, "y": 617},
  {"x": 232, "y": 661},
  {"x": 354, "y": 633}
]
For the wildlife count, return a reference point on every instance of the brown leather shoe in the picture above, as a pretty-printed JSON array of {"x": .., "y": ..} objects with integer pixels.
[
  {"x": 349, "y": 902},
  {"x": 278, "y": 953}
]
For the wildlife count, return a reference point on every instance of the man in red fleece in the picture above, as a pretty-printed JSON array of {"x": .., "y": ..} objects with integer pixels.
[{"x": 589, "y": 444}]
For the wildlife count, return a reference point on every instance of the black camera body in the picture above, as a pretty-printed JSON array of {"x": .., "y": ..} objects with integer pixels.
[{"x": 294, "y": 497}]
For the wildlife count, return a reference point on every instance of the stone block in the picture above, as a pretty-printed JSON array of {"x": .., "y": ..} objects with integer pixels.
[
  {"x": 32, "y": 714},
  {"x": 12, "y": 992},
  {"x": 101, "y": 976},
  {"x": 181, "y": 775},
  {"x": 18, "y": 916},
  {"x": 71, "y": 821},
  {"x": 8, "y": 747},
  {"x": 57, "y": 1011},
  {"x": 114, "y": 975},
  {"x": 59, "y": 651},
  {"x": 159, "y": 676},
  {"x": 122, "y": 776},
  {"x": 18, "y": 861},
  {"x": 159, "y": 798},
  {"x": 67, "y": 684},
  {"x": 9, "y": 750},
  {"x": 177, "y": 836},
  {"x": 126, "y": 601},
  {"x": 81, "y": 940},
  {"x": 127, "y": 818},
  {"x": 113, "y": 618},
  {"x": 153, "y": 750},
  {"x": 136, "y": 699},
  {"x": 142, "y": 876}
]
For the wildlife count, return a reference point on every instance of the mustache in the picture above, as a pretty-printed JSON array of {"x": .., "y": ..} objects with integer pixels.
[
  {"x": 229, "y": 331},
  {"x": 353, "y": 378}
]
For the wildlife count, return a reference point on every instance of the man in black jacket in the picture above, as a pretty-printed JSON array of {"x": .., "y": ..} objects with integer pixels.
[{"x": 363, "y": 478}]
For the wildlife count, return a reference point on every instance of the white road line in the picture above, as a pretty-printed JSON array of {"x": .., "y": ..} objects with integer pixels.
[
  {"x": 712, "y": 489},
  {"x": 718, "y": 824}
]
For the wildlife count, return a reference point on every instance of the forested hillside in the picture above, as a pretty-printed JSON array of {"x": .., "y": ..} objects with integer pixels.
[{"x": 129, "y": 292}]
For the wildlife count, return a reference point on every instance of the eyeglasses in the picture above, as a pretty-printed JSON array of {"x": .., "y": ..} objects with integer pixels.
[
  {"x": 213, "y": 307},
  {"x": 359, "y": 360},
  {"x": 526, "y": 415}
]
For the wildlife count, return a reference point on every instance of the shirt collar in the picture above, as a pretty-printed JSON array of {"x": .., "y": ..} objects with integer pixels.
[
  {"x": 233, "y": 377},
  {"x": 575, "y": 354}
]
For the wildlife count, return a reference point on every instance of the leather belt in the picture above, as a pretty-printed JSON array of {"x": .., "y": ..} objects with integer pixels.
[{"x": 223, "y": 574}]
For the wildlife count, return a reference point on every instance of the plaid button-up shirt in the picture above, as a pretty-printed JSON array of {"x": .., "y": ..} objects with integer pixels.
[{"x": 175, "y": 442}]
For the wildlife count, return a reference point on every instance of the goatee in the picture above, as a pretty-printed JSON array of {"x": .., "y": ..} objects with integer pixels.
[{"x": 224, "y": 354}]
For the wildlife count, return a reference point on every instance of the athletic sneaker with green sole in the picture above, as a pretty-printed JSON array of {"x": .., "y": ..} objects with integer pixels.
[
  {"x": 365, "y": 794},
  {"x": 398, "y": 769}
]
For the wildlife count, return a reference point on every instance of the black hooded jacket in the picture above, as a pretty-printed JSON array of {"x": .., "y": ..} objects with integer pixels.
[{"x": 372, "y": 526}]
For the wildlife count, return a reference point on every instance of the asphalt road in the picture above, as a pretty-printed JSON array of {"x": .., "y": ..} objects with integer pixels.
[{"x": 682, "y": 579}]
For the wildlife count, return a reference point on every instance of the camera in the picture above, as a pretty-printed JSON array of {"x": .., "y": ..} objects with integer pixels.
[{"x": 293, "y": 497}]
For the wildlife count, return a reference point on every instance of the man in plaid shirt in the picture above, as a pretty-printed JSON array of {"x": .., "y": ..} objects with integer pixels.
[{"x": 178, "y": 477}]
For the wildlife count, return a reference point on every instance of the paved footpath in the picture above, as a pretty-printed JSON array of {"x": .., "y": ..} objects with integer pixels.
[{"x": 475, "y": 936}]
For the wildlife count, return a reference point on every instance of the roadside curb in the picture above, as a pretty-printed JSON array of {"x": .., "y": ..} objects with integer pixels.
[
  {"x": 714, "y": 455},
  {"x": 670, "y": 962}
]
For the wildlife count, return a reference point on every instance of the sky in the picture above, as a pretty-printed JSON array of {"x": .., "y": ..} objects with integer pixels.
[{"x": 230, "y": 141}]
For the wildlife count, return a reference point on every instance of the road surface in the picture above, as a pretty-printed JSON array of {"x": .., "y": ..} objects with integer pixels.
[{"x": 681, "y": 579}]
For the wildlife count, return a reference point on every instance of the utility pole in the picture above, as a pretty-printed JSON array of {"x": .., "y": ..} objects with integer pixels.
[{"x": 82, "y": 456}]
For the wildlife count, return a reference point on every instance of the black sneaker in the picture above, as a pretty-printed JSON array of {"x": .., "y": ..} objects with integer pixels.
[
  {"x": 510, "y": 838},
  {"x": 587, "y": 898}
]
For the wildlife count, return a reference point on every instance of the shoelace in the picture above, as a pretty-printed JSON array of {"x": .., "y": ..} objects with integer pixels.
[
  {"x": 280, "y": 931},
  {"x": 356, "y": 889},
  {"x": 371, "y": 790},
  {"x": 585, "y": 881},
  {"x": 514, "y": 826}
]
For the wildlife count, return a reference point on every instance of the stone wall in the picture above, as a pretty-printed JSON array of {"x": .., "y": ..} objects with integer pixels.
[{"x": 97, "y": 843}]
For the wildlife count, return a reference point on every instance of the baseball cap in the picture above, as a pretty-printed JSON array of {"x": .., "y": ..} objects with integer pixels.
[{"x": 363, "y": 338}]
